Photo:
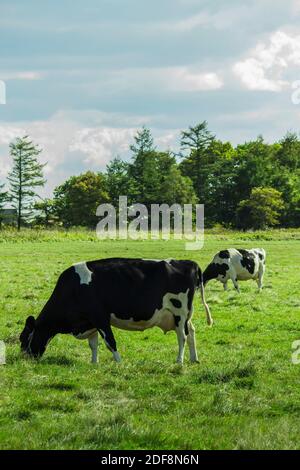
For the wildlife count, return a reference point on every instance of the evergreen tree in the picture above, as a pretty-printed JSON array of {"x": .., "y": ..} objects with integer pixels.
[
  {"x": 25, "y": 177},
  {"x": 118, "y": 180},
  {"x": 197, "y": 141},
  {"x": 3, "y": 199},
  {"x": 142, "y": 167}
]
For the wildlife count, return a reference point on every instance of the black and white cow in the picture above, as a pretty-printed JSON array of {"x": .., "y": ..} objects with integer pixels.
[
  {"x": 237, "y": 265},
  {"x": 131, "y": 294}
]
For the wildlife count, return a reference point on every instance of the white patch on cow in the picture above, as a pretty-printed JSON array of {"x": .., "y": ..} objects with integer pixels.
[
  {"x": 163, "y": 317},
  {"x": 83, "y": 272},
  {"x": 93, "y": 343},
  {"x": 102, "y": 334},
  {"x": 86, "y": 334},
  {"x": 30, "y": 338},
  {"x": 117, "y": 356},
  {"x": 192, "y": 342},
  {"x": 92, "y": 337}
]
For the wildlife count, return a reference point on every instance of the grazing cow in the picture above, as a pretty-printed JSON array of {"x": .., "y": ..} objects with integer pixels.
[
  {"x": 237, "y": 265},
  {"x": 131, "y": 294}
]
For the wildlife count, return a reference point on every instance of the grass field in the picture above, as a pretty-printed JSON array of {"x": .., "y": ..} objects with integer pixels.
[{"x": 244, "y": 394}]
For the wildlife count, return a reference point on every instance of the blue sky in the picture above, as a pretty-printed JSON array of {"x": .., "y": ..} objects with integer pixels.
[{"x": 82, "y": 76}]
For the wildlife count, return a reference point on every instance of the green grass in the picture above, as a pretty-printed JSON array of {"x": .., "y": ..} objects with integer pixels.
[{"x": 244, "y": 394}]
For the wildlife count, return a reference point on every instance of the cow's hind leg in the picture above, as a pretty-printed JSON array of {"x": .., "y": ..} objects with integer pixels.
[
  {"x": 235, "y": 283},
  {"x": 109, "y": 339},
  {"x": 93, "y": 343},
  {"x": 192, "y": 342},
  {"x": 260, "y": 277},
  {"x": 181, "y": 337},
  {"x": 233, "y": 276}
]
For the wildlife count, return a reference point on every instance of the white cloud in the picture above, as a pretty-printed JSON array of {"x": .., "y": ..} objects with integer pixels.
[
  {"x": 253, "y": 75},
  {"x": 53, "y": 136},
  {"x": 295, "y": 6},
  {"x": 263, "y": 114},
  {"x": 70, "y": 148},
  {"x": 174, "y": 79},
  {"x": 222, "y": 19},
  {"x": 99, "y": 145},
  {"x": 265, "y": 67},
  {"x": 29, "y": 75},
  {"x": 9, "y": 132},
  {"x": 169, "y": 140},
  {"x": 183, "y": 79},
  {"x": 184, "y": 25}
]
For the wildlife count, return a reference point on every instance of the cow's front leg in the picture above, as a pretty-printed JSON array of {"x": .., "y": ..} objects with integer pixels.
[
  {"x": 181, "y": 336},
  {"x": 192, "y": 342},
  {"x": 109, "y": 339},
  {"x": 93, "y": 343},
  {"x": 235, "y": 283}
]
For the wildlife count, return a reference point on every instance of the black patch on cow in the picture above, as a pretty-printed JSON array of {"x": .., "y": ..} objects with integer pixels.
[
  {"x": 177, "y": 320},
  {"x": 176, "y": 303},
  {"x": 224, "y": 254},
  {"x": 81, "y": 327},
  {"x": 214, "y": 270},
  {"x": 186, "y": 328},
  {"x": 248, "y": 260},
  {"x": 261, "y": 257}
]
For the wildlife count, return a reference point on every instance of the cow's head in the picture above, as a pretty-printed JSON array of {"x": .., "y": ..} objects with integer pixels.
[{"x": 31, "y": 340}]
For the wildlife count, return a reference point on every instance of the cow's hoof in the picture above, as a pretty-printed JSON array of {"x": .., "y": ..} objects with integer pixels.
[
  {"x": 195, "y": 361},
  {"x": 117, "y": 357}
]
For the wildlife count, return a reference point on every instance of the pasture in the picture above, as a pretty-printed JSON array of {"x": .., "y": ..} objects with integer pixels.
[{"x": 244, "y": 394}]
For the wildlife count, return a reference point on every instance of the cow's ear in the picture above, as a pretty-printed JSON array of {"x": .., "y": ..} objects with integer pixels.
[{"x": 30, "y": 323}]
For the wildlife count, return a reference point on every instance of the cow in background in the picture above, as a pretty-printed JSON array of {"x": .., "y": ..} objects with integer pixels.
[{"x": 237, "y": 265}]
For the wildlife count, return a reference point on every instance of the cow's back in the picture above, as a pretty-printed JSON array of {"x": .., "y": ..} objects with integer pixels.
[
  {"x": 245, "y": 263},
  {"x": 136, "y": 287}
]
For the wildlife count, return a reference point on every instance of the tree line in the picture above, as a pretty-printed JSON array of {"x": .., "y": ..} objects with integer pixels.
[{"x": 253, "y": 185}]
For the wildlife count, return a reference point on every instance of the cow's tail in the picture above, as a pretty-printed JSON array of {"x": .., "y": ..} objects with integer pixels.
[{"x": 201, "y": 286}]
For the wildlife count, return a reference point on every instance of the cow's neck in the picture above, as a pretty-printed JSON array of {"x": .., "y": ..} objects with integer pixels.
[{"x": 44, "y": 331}]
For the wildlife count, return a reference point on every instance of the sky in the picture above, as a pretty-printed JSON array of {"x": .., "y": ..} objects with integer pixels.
[{"x": 81, "y": 77}]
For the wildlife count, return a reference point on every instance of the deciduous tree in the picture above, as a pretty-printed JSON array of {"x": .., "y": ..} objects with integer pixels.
[
  {"x": 78, "y": 198},
  {"x": 261, "y": 210}
]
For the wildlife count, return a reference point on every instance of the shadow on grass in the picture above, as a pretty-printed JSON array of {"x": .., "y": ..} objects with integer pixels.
[
  {"x": 84, "y": 396},
  {"x": 279, "y": 408},
  {"x": 118, "y": 432},
  {"x": 36, "y": 407},
  {"x": 238, "y": 375},
  {"x": 17, "y": 357},
  {"x": 22, "y": 415},
  {"x": 60, "y": 386},
  {"x": 58, "y": 361}
]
